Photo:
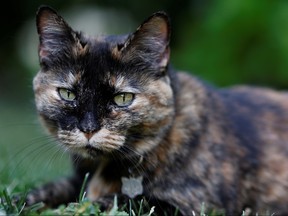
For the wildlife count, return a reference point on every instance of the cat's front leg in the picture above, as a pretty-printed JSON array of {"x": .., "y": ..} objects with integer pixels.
[
  {"x": 107, "y": 202},
  {"x": 55, "y": 193}
]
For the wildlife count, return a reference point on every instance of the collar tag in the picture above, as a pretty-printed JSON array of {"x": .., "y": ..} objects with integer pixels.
[{"x": 131, "y": 186}]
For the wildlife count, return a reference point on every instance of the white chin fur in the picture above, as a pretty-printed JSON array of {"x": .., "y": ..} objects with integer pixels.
[{"x": 104, "y": 140}]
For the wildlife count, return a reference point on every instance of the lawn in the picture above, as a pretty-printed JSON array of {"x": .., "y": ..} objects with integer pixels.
[{"x": 28, "y": 157}]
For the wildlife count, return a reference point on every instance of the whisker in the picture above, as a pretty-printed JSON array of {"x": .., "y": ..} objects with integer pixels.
[
  {"x": 76, "y": 159},
  {"x": 13, "y": 125},
  {"x": 140, "y": 168},
  {"x": 65, "y": 151},
  {"x": 52, "y": 158},
  {"x": 31, "y": 144},
  {"x": 35, "y": 140},
  {"x": 29, "y": 153}
]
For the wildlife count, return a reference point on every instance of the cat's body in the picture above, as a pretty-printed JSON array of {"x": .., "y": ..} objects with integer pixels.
[{"x": 117, "y": 104}]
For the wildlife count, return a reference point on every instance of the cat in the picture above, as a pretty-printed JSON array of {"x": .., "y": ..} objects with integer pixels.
[{"x": 142, "y": 129}]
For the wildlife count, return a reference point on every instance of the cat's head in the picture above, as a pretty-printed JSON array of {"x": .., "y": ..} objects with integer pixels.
[{"x": 107, "y": 93}]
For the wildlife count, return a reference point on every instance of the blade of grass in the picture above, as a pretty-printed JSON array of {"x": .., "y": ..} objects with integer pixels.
[
  {"x": 151, "y": 211},
  {"x": 7, "y": 198},
  {"x": 176, "y": 212},
  {"x": 130, "y": 207},
  {"x": 82, "y": 194},
  {"x": 202, "y": 213},
  {"x": 140, "y": 207}
]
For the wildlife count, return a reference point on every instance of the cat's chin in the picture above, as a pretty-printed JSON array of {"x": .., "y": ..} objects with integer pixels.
[
  {"x": 94, "y": 152},
  {"x": 88, "y": 151}
]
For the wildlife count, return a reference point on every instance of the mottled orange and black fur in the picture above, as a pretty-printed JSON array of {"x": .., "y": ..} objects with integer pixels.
[{"x": 192, "y": 143}]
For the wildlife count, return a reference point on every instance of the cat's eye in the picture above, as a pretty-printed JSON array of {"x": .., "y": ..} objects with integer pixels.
[
  {"x": 123, "y": 99},
  {"x": 66, "y": 94}
]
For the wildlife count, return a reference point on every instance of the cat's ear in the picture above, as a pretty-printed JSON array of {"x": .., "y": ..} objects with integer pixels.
[
  {"x": 150, "y": 42},
  {"x": 55, "y": 35}
]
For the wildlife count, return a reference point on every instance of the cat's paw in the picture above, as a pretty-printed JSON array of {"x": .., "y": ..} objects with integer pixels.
[
  {"x": 26, "y": 201},
  {"x": 33, "y": 198},
  {"x": 107, "y": 202}
]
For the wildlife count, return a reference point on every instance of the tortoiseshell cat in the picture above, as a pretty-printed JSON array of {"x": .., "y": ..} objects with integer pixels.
[{"x": 119, "y": 107}]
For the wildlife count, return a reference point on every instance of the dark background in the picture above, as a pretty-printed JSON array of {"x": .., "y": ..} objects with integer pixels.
[{"x": 223, "y": 42}]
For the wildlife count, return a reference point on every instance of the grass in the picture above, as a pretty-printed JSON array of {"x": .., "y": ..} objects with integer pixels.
[{"x": 83, "y": 207}]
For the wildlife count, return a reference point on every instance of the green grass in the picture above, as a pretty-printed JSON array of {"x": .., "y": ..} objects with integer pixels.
[
  {"x": 83, "y": 207},
  {"x": 8, "y": 206}
]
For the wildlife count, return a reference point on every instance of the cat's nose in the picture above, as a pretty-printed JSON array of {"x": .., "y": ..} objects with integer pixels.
[
  {"x": 89, "y": 125},
  {"x": 89, "y": 135}
]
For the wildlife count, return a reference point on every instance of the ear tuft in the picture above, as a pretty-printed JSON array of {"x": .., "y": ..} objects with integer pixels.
[
  {"x": 50, "y": 23},
  {"x": 55, "y": 34},
  {"x": 150, "y": 42}
]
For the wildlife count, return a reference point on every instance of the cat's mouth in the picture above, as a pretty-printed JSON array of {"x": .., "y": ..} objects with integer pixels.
[
  {"x": 87, "y": 151},
  {"x": 92, "y": 151},
  {"x": 104, "y": 142}
]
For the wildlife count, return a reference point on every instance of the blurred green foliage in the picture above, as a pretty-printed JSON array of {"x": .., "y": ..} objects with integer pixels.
[
  {"x": 238, "y": 42},
  {"x": 223, "y": 41}
]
